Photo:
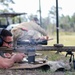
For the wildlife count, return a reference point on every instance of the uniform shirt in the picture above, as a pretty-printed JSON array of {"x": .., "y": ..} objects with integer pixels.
[{"x": 31, "y": 27}]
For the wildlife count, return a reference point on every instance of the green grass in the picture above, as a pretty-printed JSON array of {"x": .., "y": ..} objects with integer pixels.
[{"x": 66, "y": 40}]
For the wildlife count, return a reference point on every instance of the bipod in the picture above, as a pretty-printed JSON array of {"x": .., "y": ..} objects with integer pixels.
[{"x": 71, "y": 58}]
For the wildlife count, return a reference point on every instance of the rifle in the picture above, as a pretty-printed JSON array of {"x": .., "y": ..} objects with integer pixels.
[{"x": 30, "y": 47}]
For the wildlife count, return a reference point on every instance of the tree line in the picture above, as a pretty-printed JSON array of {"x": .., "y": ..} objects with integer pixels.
[{"x": 66, "y": 23}]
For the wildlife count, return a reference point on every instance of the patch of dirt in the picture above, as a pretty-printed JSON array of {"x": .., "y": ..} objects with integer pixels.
[{"x": 28, "y": 72}]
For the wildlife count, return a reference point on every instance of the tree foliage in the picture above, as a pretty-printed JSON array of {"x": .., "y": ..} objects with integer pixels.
[
  {"x": 66, "y": 23},
  {"x": 5, "y": 3}
]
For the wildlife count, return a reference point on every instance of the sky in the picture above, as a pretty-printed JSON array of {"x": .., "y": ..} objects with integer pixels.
[{"x": 31, "y": 6}]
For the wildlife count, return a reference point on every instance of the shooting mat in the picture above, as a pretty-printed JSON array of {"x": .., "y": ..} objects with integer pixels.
[{"x": 38, "y": 64}]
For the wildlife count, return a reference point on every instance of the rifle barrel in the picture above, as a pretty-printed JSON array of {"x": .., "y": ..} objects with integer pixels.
[
  {"x": 51, "y": 48},
  {"x": 41, "y": 48}
]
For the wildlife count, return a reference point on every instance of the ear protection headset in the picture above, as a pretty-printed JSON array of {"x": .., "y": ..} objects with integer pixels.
[{"x": 1, "y": 40}]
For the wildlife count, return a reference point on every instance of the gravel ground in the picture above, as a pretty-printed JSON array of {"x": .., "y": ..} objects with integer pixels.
[
  {"x": 28, "y": 72},
  {"x": 33, "y": 72}
]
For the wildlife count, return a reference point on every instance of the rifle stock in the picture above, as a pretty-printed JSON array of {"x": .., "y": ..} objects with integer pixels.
[{"x": 6, "y": 49}]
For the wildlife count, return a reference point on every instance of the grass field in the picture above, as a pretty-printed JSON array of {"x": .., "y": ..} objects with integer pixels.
[{"x": 66, "y": 40}]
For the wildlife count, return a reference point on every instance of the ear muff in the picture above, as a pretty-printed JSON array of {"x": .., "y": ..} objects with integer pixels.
[{"x": 1, "y": 40}]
